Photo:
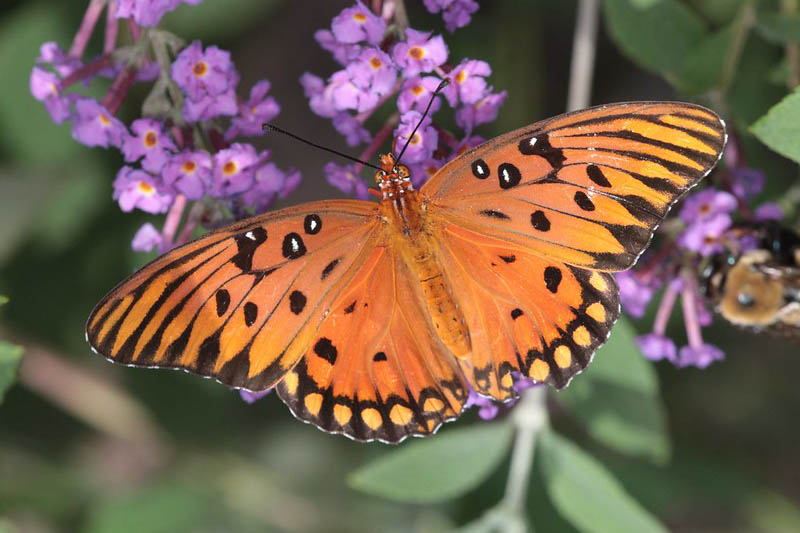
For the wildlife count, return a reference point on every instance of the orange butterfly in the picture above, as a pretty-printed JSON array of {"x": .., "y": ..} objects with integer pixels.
[{"x": 370, "y": 319}]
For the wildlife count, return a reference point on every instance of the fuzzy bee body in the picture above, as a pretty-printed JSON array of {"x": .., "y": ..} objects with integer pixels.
[{"x": 759, "y": 289}]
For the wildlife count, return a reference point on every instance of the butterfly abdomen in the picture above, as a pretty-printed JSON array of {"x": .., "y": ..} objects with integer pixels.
[{"x": 416, "y": 244}]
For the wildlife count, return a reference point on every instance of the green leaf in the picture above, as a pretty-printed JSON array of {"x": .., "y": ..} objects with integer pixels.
[
  {"x": 658, "y": 37},
  {"x": 704, "y": 65},
  {"x": 155, "y": 509},
  {"x": 3, "y": 299},
  {"x": 586, "y": 494},
  {"x": 618, "y": 399},
  {"x": 438, "y": 468},
  {"x": 779, "y": 28},
  {"x": 10, "y": 357},
  {"x": 780, "y": 127}
]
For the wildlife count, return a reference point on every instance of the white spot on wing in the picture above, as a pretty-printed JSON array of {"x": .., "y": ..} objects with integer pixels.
[
  {"x": 250, "y": 235},
  {"x": 532, "y": 142}
]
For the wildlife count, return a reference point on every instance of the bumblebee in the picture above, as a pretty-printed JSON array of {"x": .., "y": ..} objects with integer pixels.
[{"x": 759, "y": 289}]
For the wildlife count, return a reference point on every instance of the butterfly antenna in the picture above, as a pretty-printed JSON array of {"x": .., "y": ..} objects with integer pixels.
[
  {"x": 272, "y": 127},
  {"x": 441, "y": 86}
]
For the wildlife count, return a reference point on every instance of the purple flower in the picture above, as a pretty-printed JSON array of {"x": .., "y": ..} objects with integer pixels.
[
  {"x": 657, "y": 347},
  {"x": 209, "y": 79},
  {"x": 147, "y": 238},
  {"x": 468, "y": 85},
  {"x": 149, "y": 141},
  {"x": 423, "y": 171},
  {"x": 456, "y": 13},
  {"x": 252, "y": 397},
  {"x": 64, "y": 64},
  {"x": 768, "y": 211},
  {"x": 210, "y": 106},
  {"x": 148, "y": 12},
  {"x": 358, "y": 23},
  {"x": 633, "y": 294},
  {"x": 94, "y": 125},
  {"x": 699, "y": 356},
  {"x": 189, "y": 173},
  {"x": 487, "y": 408},
  {"x": 136, "y": 188},
  {"x": 270, "y": 182},
  {"x": 318, "y": 98},
  {"x": 342, "y": 52},
  {"x": 416, "y": 93},
  {"x": 259, "y": 109},
  {"x": 706, "y": 204},
  {"x": 746, "y": 183},
  {"x": 424, "y": 141},
  {"x": 419, "y": 53},
  {"x": 45, "y": 87},
  {"x": 346, "y": 179},
  {"x": 233, "y": 171},
  {"x": 345, "y": 94},
  {"x": 703, "y": 236},
  {"x": 349, "y": 126},
  {"x": 482, "y": 111},
  {"x": 373, "y": 71}
]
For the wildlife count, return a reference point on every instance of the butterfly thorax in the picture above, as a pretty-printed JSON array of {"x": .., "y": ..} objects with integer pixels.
[{"x": 413, "y": 237}]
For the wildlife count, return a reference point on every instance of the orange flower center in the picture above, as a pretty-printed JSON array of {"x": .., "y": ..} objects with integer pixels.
[
  {"x": 461, "y": 76},
  {"x": 360, "y": 17},
  {"x": 200, "y": 68},
  {"x": 188, "y": 167},
  {"x": 150, "y": 139},
  {"x": 104, "y": 120},
  {"x": 416, "y": 139},
  {"x": 416, "y": 52},
  {"x": 376, "y": 63},
  {"x": 229, "y": 168},
  {"x": 417, "y": 90},
  {"x": 705, "y": 208},
  {"x": 145, "y": 188}
]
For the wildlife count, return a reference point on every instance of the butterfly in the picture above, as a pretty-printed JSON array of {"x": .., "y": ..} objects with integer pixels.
[{"x": 374, "y": 319}]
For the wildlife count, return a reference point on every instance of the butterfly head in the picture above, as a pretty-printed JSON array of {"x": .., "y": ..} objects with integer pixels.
[{"x": 393, "y": 179}]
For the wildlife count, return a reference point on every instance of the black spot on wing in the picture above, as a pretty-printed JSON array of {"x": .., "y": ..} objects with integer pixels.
[
  {"x": 326, "y": 350},
  {"x": 552, "y": 278},
  {"x": 246, "y": 244},
  {"x": 540, "y": 145},
  {"x": 293, "y": 246},
  {"x": 223, "y": 300},
  {"x": 539, "y": 221},
  {"x": 297, "y": 302}
]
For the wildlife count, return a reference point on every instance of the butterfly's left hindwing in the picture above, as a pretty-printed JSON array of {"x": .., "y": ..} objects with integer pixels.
[
  {"x": 528, "y": 314},
  {"x": 240, "y": 304}
]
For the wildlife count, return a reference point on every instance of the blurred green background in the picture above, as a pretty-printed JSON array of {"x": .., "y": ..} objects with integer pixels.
[{"x": 89, "y": 446}]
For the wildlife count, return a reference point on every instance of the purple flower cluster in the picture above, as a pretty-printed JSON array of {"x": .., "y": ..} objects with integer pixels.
[
  {"x": 456, "y": 13},
  {"x": 178, "y": 153},
  {"x": 380, "y": 62},
  {"x": 703, "y": 229},
  {"x": 147, "y": 12}
]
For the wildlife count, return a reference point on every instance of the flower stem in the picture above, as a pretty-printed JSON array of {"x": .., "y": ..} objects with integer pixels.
[
  {"x": 530, "y": 416},
  {"x": 112, "y": 28},
  {"x": 171, "y": 223},
  {"x": 87, "y": 26},
  {"x": 583, "y": 48}
]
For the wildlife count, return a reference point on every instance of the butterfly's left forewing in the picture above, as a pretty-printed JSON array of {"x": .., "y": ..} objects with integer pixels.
[
  {"x": 586, "y": 188},
  {"x": 240, "y": 304}
]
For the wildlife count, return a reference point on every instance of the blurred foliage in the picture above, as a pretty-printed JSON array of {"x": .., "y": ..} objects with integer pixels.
[{"x": 195, "y": 458}]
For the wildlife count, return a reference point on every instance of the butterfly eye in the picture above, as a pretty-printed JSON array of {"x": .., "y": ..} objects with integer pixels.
[{"x": 745, "y": 299}]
